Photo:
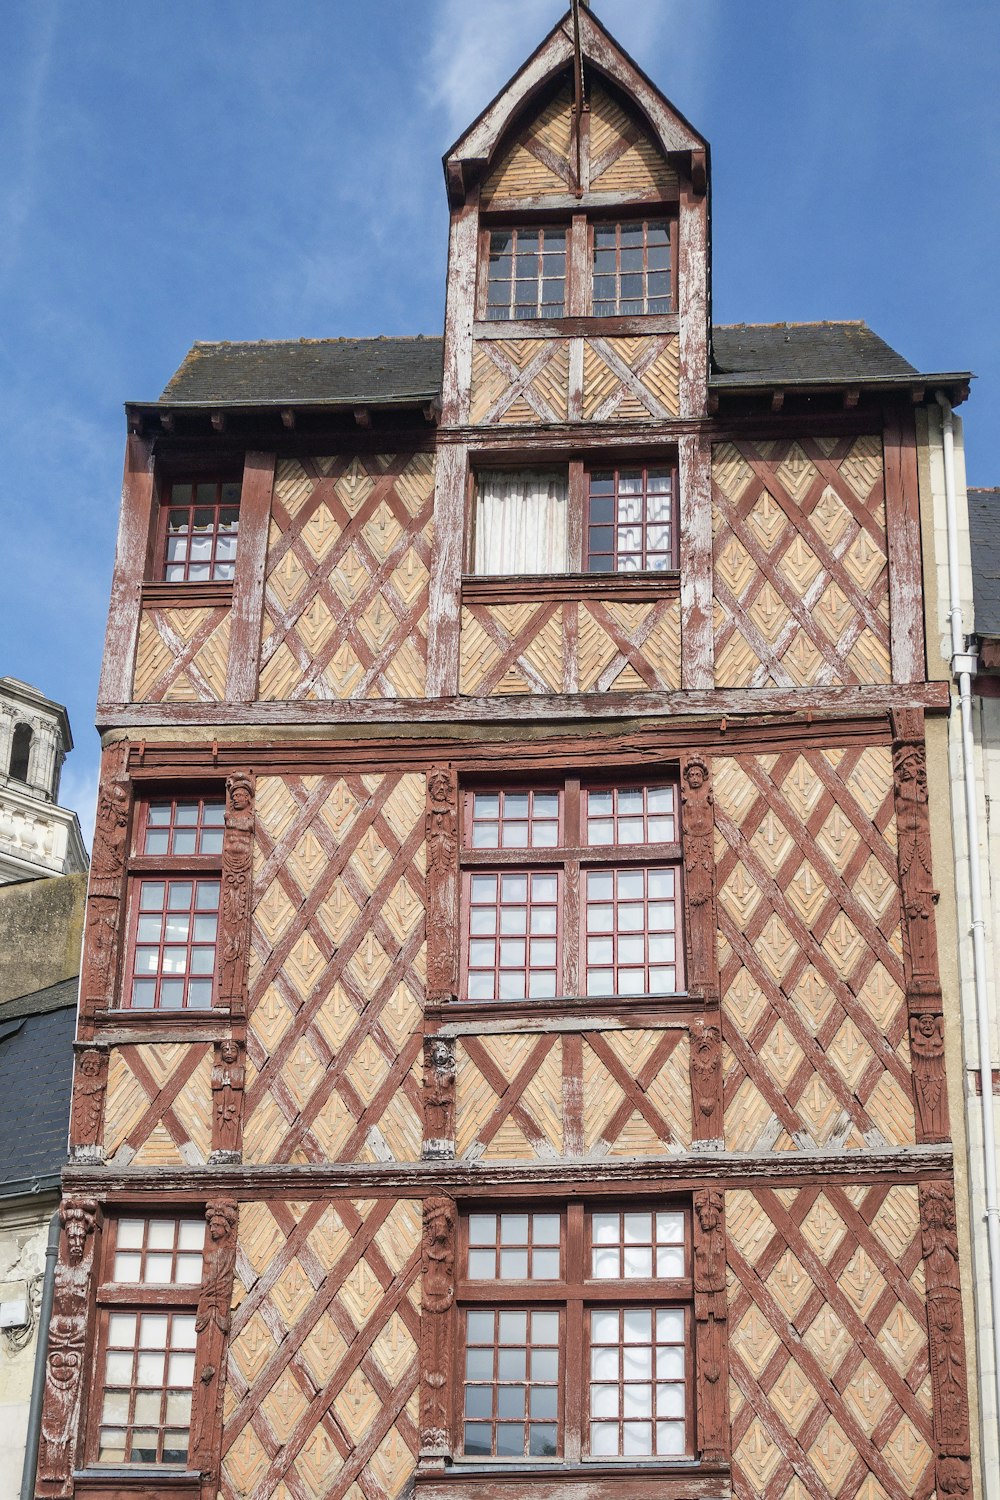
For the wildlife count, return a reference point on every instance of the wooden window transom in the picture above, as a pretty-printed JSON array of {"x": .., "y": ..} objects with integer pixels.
[
  {"x": 571, "y": 891},
  {"x": 527, "y": 273},
  {"x": 147, "y": 1340},
  {"x": 592, "y": 1360},
  {"x": 631, "y": 520},
  {"x": 200, "y": 530},
  {"x": 632, "y": 268}
]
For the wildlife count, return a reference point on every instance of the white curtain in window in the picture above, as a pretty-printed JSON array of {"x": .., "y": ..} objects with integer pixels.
[{"x": 521, "y": 521}]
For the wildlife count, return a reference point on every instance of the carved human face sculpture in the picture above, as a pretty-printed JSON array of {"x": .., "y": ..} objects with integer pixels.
[
  {"x": 64, "y": 1365},
  {"x": 696, "y": 775},
  {"x": 79, "y": 1223},
  {"x": 90, "y": 1064},
  {"x": 439, "y": 787},
  {"x": 927, "y": 1026},
  {"x": 229, "y": 1053},
  {"x": 219, "y": 1223},
  {"x": 710, "y": 1212},
  {"x": 239, "y": 796}
]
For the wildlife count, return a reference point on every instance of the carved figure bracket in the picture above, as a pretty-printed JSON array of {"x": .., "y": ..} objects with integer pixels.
[{"x": 442, "y": 883}]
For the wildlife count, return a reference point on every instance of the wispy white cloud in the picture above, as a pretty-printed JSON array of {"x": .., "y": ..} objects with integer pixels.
[
  {"x": 476, "y": 48},
  {"x": 25, "y": 122}
]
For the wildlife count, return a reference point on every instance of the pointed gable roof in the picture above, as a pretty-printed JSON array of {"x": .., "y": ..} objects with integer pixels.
[{"x": 474, "y": 151}]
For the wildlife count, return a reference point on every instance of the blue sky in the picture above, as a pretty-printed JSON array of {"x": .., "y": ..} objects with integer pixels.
[{"x": 240, "y": 169}]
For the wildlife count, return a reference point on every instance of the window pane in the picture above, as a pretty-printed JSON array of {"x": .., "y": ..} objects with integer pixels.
[
  {"x": 202, "y": 523},
  {"x": 521, "y": 521},
  {"x": 514, "y": 1410},
  {"x": 630, "y": 1415}
]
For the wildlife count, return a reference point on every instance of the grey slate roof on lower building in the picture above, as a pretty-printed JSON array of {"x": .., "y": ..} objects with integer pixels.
[
  {"x": 36, "y": 1071},
  {"x": 403, "y": 370},
  {"x": 348, "y": 371},
  {"x": 786, "y": 353},
  {"x": 984, "y": 535}
]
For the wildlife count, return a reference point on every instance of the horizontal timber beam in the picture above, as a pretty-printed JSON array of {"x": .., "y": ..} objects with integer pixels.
[{"x": 595, "y": 1176}]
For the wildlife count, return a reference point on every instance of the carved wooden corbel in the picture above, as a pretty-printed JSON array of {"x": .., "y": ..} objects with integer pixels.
[
  {"x": 108, "y": 862},
  {"x": 711, "y": 1314},
  {"x": 228, "y": 1080},
  {"x": 90, "y": 1089},
  {"x": 706, "y": 1081},
  {"x": 439, "y": 1098},
  {"x": 436, "y": 1342},
  {"x": 67, "y": 1352},
  {"x": 698, "y": 836},
  {"x": 237, "y": 874},
  {"x": 946, "y": 1337},
  {"x": 442, "y": 884},
  {"x": 212, "y": 1323}
]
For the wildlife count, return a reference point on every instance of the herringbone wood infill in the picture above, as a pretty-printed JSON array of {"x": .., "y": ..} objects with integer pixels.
[
  {"x": 345, "y": 599},
  {"x": 158, "y": 1111},
  {"x": 568, "y": 647},
  {"x": 801, "y": 578},
  {"x": 810, "y": 952},
  {"x": 182, "y": 656},
  {"x": 830, "y": 1395},
  {"x": 337, "y": 970},
  {"x": 321, "y": 1389},
  {"x": 610, "y": 1093}
]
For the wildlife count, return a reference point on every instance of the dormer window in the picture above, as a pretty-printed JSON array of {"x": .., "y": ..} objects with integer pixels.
[
  {"x": 527, "y": 273},
  {"x": 632, "y": 269}
]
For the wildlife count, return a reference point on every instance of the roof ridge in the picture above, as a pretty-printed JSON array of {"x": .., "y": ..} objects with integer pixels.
[
  {"x": 808, "y": 323},
  {"x": 367, "y": 338}
]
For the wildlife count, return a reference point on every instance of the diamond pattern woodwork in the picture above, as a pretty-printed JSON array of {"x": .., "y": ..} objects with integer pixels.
[
  {"x": 570, "y": 647},
  {"x": 830, "y": 1393},
  {"x": 541, "y": 160},
  {"x": 337, "y": 970},
  {"x": 159, "y": 1105},
  {"x": 801, "y": 579},
  {"x": 518, "y": 381},
  {"x": 321, "y": 1389},
  {"x": 810, "y": 953},
  {"x": 182, "y": 656},
  {"x": 631, "y": 378},
  {"x": 345, "y": 601},
  {"x": 611, "y": 1093}
]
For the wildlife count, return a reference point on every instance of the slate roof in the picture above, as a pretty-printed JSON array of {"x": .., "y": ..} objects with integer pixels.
[
  {"x": 408, "y": 370},
  {"x": 36, "y": 1067},
  {"x": 787, "y": 353},
  {"x": 351, "y": 371},
  {"x": 984, "y": 534}
]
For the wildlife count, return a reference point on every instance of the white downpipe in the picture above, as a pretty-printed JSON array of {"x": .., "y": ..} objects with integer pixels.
[{"x": 963, "y": 665}]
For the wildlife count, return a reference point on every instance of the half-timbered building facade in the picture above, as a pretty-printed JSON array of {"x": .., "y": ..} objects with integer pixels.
[{"x": 511, "y": 1056}]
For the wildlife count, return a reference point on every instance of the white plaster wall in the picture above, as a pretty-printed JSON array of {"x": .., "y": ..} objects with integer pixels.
[
  {"x": 987, "y": 762},
  {"x": 23, "y": 1234}
]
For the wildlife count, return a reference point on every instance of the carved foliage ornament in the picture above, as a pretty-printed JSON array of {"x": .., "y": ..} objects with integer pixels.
[
  {"x": 438, "y": 1295},
  {"x": 67, "y": 1349},
  {"x": 909, "y": 761},
  {"x": 442, "y": 882},
  {"x": 944, "y": 1319},
  {"x": 710, "y": 1310},
  {"x": 698, "y": 832},
  {"x": 439, "y": 1096},
  {"x": 228, "y": 1080},
  {"x": 107, "y": 877},
  {"x": 237, "y": 876}
]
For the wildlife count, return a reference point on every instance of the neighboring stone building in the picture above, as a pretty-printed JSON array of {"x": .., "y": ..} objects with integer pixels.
[
  {"x": 43, "y": 888},
  {"x": 37, "y": 836},
  {"x": 512, "y": 1056}
]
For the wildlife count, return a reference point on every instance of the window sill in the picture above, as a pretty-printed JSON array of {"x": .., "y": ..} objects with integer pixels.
[
  {"x": 565, "y": 587},
  {"x": 472, "y": 1016},
  {"x": 682, "y": 1480},
  {"x": 633, "y": 325},
  {"x": 187, "y": 595},
  {"x": 126, "y": 1482},
  {"x": 124, "y": 1026}
]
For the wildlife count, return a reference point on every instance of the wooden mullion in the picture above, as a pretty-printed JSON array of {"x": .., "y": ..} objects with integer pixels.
[
  {"x": 576, "y": 555},
  {"x": 247, "y": 612},
  {"x": 570, "y": 934},
  {"x": 574, "y": 1379},
  {"x": 577, "y": 260}
]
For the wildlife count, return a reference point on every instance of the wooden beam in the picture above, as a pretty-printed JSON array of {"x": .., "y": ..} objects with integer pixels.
[
  {"x": 699, "y": 173},
  {"x": 219, "y": 421},
  {"x": 777, "y": 400},
  {"x": 851, "y": 397},
  {"x": 167, "y": 421},
  {"x": 362, "y": 416},
  {"x": 288, "y": 418}
]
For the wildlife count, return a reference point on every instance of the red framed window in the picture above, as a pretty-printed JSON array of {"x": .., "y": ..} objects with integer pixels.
[
  {"x": 608, "y": 855},
  {"x": 632, "y": 269},
  {"x": 526, "y": 275},
  {"x": 145, "y": 1364},
  {"x": 631, "y": 520},
  {"x": 576, "y": 1334},
  {"x": 174, "y": 899},
  {"x": 199, "y": 530}
]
